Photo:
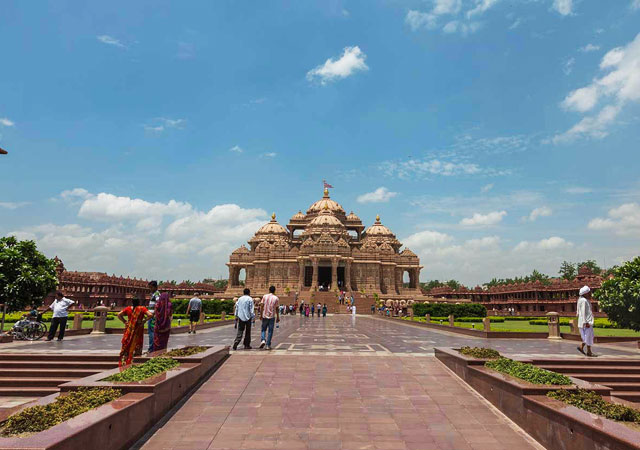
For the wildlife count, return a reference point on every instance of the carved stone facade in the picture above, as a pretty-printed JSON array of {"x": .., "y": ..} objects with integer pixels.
[{"x": 325, "y": 249}]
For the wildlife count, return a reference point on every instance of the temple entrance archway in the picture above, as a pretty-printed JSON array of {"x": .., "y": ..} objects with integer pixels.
[
  {"x": 341, "y": 277},
  {"x": 242, "y": 276},
  {"x": 324, "y": 276}
]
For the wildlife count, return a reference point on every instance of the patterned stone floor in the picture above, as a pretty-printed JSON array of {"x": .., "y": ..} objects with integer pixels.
[
  {"x": 270, "y": 400},
  {"x": 361, "y": 335}
]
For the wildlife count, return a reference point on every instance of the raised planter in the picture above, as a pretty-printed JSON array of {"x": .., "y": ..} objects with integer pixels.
[
  {"x": 113, "y": 426},
  {"x": 476, "y": 333},
  {"x": 549, "y": 421},
  {"x": 180, "y": 329}
]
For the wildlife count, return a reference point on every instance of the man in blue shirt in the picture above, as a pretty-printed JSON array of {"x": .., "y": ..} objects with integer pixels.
[{"x": 245, "y": 313}]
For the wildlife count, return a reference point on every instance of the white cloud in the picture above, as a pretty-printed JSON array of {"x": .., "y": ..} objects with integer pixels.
[
  {"x": 455, "y": 26},
  {"x": 515, "y": 24},
  {"x": 416, "y": 20},
  {"x": 564, "y": 7},
  {"x": 269, "y": 155},
  {"x": 589, "y": 48},
  {"x": 481, "y": 7},
  {"x": 635, "y": 4},
  {"x": 543, "y": 211},
  {"x": 567, "y": 68},
  {"x": 106, "y": 39},
  {"x": 483, "y": 220},
  {"x": 109, "y": 207},
  {"x": 623, "y": 220},
  {"x": 351, "y": 61},
  {"x": 6, "y": 122},
  {"x": 486, "y": 188},
  {"x": 577, "y": 190},
  {"x": 450, "y": 12},
  {"x": 160, "y": 124},
  {"x": 425, "y": 239},
  {"x": 552, "y": 243},
  {"x": 13, "y": 205},
  {"x": 75, "y": 194},
  {"x": 380, "y": 195},
  {"x": 236, "y": 149},
  {"x": 429, "y": 166},
  {"x": 621, "y": 85}
]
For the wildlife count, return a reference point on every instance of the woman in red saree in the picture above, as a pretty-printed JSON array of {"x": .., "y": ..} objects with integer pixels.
[
  {"x": 163, "y": 315},
  {"x": 133, "y": 331}
]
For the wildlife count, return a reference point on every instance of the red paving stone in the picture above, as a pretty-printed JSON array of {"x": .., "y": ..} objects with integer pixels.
[{"x": 280, "y": 401}]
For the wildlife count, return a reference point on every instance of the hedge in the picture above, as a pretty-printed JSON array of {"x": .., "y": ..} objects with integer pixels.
[
  {"x": 208, "y": 306},
  {"x": 446, "y": 309},
  {"x": 593, "y": 403},
  {"x": 143, "y": 371},
  {"x": 527, "y": 372}
]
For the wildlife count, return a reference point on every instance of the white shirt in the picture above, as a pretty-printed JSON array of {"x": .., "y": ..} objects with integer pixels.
[
  {"x": 353, "y": 310},
  {"x": 583, "y": 311},
  {"x": 60, "y": 307}
]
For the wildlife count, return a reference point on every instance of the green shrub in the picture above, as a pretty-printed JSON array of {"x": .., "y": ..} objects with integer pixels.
[
  {"x": 143, "y": 371},
  {"x": 480, "y": 352},
  {"x": 64, "y": 407},
  {"x": 446, "y": 309},
  {"x": 208, "y": 306},
  {"x": 592, "y": 402},
  {"x": 187, "y": 351},
  {"x": 527, "y": 372}
]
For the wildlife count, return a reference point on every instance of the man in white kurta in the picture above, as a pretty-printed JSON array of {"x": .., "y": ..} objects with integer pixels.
[{"x": 585, "y": 320}]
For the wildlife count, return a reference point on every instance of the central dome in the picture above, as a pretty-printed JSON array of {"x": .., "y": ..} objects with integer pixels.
[{"x": 326, "y": 202}]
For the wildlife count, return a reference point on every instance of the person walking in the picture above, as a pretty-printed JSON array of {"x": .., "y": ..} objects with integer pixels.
[
  {"x": 245, "y": 313},
  {"x": 324, "y": 310},
  {"x": 313, "y": 308},
  {"x": 163, "y": 316},
  {"x": 302, "y": 308},
  {"x": 306, "y": 310},
  {"x": 585, "y": 320},
  {"x": 193, "y": 311},
  {"x": 318, "y": 308},
  {"x": 270, "y": 315},
  {"x": 60, "y": 308},
  {"x": 133, "y": 336},
  {"x": 155, "y": 296}
]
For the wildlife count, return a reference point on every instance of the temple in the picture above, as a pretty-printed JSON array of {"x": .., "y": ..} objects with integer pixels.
[{"x": 325, "y": 249}]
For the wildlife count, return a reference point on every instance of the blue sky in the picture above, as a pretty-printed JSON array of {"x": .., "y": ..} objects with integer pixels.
[{"x": 153, "y": 138}]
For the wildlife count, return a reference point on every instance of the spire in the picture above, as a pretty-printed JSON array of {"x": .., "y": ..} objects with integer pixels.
[
  {"x": 377, "y": 218},
  {"x": 273, "y": 217},
  {"x": 326, "y": 193}
]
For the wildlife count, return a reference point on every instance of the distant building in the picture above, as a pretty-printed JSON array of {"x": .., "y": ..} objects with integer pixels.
[{"x": 533, "y": 299}]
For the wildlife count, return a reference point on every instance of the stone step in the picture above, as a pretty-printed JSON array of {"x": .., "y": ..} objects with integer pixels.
[
  {"x": 96, "y": 365},
  {"x": 56, "y": 357},
  {"x": 8, "y": 391},
  {"x": 630, "y": 396},
  {"x": 622, "y": 385},
  {"x": 602, "y": 378},
  {"x": 584, "y": 362},
  {"x": 592, "y": 369},
  {"x": 38, "y": 372},
  {"x": 36, "y": 382}
]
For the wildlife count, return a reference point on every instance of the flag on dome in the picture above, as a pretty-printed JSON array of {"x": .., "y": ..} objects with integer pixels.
[{"x": 327, "y": 185}]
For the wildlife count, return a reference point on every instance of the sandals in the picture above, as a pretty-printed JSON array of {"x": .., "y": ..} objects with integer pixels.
[{"x": 581, "y": 351}]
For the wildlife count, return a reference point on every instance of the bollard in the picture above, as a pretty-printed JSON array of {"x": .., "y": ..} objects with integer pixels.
[
  {"x": 100, "y": 320},
  {"x": 411, "y": 312},
  {"x": 554, "y": 325},
  {"x": 451, "y": 321},
  {"x": 223, "y": 315},
  {"x": 573, "y": 323},
  {"x": 77, "y": 322},
  {"x": 486, "y": 322},
  {"x": 427, "y": 318},
  {"x": 202, "y": 317}
]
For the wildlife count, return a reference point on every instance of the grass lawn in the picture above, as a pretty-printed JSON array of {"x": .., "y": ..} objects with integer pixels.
[
  {"x": 524, "y": 326},
  {"x": 115, "y": 323}
]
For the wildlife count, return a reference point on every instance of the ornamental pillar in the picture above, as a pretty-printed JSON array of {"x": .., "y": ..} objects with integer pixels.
[
  {"x": 314, "y": 280},
  {"x": 300, "y": 275},
  {"x": 334, "y": 274},
  {"x": 231, "y": 277},
  {"x": 347, "y": 276}
]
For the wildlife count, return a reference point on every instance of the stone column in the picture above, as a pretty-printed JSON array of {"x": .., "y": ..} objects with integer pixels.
[
  {"x": 486, "y": 322},
  {"x": 300, "y": 275},
  {"x": 334, "y": 274},
  {"x": 77, "y": 321},
  {"x": 554, "y": 325},
  {"x": 202, "y": 317},
  {"x": 314, "y": 280},
  {"x": 451, "y": 320},
  {"x": 231, "y": 276},
  {"x": 573, "y": 323},
  {"x": 427, "y": 318},
  {"x": 347, "y": 276}
]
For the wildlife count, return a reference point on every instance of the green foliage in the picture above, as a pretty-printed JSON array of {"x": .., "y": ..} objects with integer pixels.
[
  {"x": 568, "y": 270},
  {"x": 26, "y": 275},
  {"x": 143, "y": 371},
  {"x": 527, "y": 372},
  {"x": 64, "y": 407},
  {"x": 186, "y": 351},
  {"x": 594, "y": 403},
  {"x": 208, "y": 306},
  {"x": 453, "y": 284},
  {"x": 591, "y": 264},
  {"x": 619, "y": 297},
  {"x": 480, "y": 352},
  {"x": 598, "y": 323},
  {"x": 535, "y": 276},
  {"x": 446, "y": 309}
]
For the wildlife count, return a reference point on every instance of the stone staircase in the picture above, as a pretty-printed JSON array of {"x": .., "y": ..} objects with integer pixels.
[
  {"x": 363, "y": 304},
  {"x": 38, "y": 375},
  {"x": 621, "y": 375}
]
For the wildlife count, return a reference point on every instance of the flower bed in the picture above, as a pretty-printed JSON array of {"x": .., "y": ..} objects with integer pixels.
[
  {"x": 143, "y": 371},
  {"x": 41, "y": 417},
  {"x": 528, "y": 372},
  {"x": 480, "y": 352},
  {"x": 183, "y": 352},
  {"x": 594, "y": 403}
]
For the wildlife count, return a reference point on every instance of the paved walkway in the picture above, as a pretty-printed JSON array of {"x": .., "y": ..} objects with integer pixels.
[{"x": 266, "y": 400}]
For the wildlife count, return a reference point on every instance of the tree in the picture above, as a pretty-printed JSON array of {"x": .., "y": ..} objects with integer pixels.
[
  {"x": 568, "y": 270},
  {"x": 26, "y": 275},
  {"x": 453, "y": 284},
  {"x": 591, "y": 264},
  {"x": 619, "y": 297},
  {"x": 431, "y": 284}
]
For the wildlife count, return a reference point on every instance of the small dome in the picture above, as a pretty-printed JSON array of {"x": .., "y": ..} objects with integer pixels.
[
  {"x": 326, "y": 202},
  {"x": 326, "y": 218},
  {"x": 272, "y": 228},
  {"x": 297, "y": 217},
  {"x": 377, "y": 229},
  {"x": 407, "y": 252},
  {"x": 353, "y": 218},
  {"x": 241, "y": 251}
]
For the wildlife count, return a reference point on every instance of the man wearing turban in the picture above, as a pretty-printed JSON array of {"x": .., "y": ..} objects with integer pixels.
[{"x": 585, "y": 320}]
